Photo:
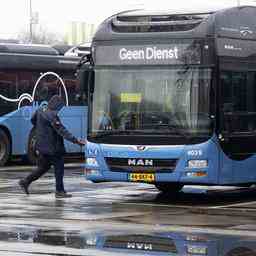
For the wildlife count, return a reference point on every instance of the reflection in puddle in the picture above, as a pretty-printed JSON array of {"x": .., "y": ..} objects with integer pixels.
[{"x": 167, "y": 243}]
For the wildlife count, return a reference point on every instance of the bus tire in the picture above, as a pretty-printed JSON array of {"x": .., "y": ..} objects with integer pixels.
[
  {"x": 5, "y": 147},
  {"x": 32, "y": 156},
  {"x": 168, "y": 188}
]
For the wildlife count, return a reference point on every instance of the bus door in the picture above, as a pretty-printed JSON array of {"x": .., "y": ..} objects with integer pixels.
[{"x": 238, "y": 121}]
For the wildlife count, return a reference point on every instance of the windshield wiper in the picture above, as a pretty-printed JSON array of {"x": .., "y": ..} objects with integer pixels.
[
  {"x": 110, "y": 132},
  {"x": 138, "y": 132},
  {"x": 172, "y": 128}
]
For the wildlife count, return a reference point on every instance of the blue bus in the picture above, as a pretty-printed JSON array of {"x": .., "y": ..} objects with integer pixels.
[
  {"x": 29, "y": 76},
  {"x": 171, "y": 99}
]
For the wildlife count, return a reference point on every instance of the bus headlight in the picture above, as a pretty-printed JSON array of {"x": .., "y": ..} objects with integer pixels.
[
  {"x": 91, "y": 241},
  {"x": 91, "y": 161},
  {"x": 197, "y": 249},
  {"x": 89, "y": 172},
  {"x": 197, "y": 163},
  {"x": 196, "y": 238}
]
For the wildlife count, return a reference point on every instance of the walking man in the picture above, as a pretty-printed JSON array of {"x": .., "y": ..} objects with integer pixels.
[{"x": 50, "y": 135}]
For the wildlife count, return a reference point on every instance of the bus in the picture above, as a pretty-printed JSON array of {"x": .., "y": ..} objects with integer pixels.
[
  {"x": 29, "y": 76},
  {"x": 171, "y": 99}
]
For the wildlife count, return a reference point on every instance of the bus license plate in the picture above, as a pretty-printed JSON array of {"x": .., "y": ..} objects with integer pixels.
[{"x": 146, "y": 177}]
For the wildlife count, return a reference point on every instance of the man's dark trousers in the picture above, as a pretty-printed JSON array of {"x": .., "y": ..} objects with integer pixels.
[{"x": 44, "y": 164}]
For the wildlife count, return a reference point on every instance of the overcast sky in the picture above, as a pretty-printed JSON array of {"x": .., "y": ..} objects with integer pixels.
[{"x": 55, "y": 14}]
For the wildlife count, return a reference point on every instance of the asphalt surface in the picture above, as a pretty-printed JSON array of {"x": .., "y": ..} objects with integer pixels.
[{"x": 123, "y": 219}]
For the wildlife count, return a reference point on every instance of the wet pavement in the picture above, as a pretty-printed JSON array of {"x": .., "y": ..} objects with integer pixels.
[{"x": 124, "y": 219}]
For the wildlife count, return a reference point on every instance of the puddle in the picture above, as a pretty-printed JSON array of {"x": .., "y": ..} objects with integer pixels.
[{"x": 162, "y": 243}]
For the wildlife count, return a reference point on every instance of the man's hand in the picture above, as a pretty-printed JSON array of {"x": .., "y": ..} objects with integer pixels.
[{"x": 81, "y": 142}]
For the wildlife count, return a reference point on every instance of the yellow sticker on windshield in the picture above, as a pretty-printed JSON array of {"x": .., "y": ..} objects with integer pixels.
[{"x": 131, "y": 97}]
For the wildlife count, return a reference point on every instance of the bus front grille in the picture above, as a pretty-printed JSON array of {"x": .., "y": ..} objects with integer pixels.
[
  {"x": 141, "y": 243},
  {"x": 116, "y": 164}
]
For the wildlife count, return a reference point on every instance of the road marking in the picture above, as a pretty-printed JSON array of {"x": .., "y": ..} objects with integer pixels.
[
  {"x": 231, "y": 205},
  {"x": 156, "y": 205}
]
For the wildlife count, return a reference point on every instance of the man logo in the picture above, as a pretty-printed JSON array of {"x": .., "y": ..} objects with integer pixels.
[
  {"x": 141, "y": 148},
  {"x": 140, "y": 246},
  {"x": 140, "y": 162},
  {"x": 246, "y": 32}
]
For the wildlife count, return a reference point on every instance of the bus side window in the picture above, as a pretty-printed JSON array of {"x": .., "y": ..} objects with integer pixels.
[
  {"x": 238, "y": 104},
  {"x": 227, "y": 106},
  {"x": 74, "y": 93},
  {"x": 26, "y": 84},
  {"x": 8, "y": 84}
]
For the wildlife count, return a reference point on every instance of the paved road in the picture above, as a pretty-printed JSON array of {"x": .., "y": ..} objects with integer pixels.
[{"x": 124, "y": 219}]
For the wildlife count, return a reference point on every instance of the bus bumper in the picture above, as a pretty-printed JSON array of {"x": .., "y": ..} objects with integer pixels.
[
  {"x": 200, "y": 177},
  {"x": 194, "y": 164}
]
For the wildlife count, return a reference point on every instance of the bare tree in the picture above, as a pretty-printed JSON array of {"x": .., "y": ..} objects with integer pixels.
[{"x": 41, "y": 36}]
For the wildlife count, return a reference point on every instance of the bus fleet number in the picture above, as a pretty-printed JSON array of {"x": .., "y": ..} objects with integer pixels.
[{"x": 195, "y": 152}]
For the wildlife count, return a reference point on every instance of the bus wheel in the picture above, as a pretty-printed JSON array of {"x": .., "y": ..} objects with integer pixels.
[
  {"x": 169, "y": 187},
  {"x": 31, "y": 153},
  {"x": 5, "y": 148}
]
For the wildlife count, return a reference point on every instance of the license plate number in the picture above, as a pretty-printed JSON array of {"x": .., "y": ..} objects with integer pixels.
[{"x": 146, "y": 177}]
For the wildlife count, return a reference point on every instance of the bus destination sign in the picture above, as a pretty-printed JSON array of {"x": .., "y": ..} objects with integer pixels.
[
  {"x": 149, "y": 53},
  {"x": 162, "y": 54}
]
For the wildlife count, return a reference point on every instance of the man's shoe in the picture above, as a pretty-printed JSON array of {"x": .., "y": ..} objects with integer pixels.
[
  {"x": 62, "y": 194},
  {"x": 24, "y": 186}
]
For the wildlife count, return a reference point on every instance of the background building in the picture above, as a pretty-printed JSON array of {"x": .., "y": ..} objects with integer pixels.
[{"x": 79, "y": 32}]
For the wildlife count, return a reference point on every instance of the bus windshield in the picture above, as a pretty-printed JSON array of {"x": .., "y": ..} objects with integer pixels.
[{"x": 151, "y": 101}]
